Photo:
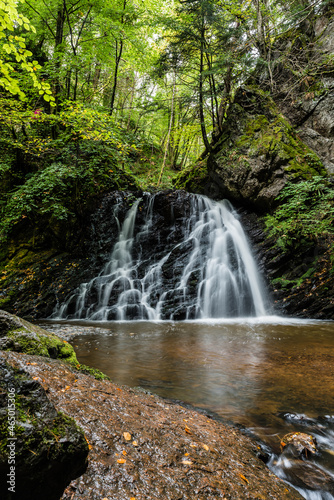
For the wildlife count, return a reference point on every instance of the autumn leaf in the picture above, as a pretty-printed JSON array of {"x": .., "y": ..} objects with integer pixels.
[
  {"x": 205, "y": 446},
  {"x": 135, "y": 443},
  {"x": 243, "y": 478},
  {"x": 89, "y": 445},
  {"x": 127, "y": 436},
  {"x": 121, "y": 461}
]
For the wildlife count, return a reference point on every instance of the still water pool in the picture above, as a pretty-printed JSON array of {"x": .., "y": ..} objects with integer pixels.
[{"x": 272, "y": 376}]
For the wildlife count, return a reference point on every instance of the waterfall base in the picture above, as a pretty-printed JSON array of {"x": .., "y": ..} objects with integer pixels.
[{"x": 181, "y": 261}]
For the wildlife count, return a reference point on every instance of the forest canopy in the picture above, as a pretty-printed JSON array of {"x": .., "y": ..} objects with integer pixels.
[{"x": 92, "y": 91}]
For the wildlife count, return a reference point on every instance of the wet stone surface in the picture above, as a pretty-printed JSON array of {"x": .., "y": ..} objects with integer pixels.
[{"x": 144, "y": 447}]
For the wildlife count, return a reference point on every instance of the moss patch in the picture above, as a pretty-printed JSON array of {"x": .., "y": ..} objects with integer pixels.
[
  {"x": 193, "y": 178},
  {"x": 19, "y": 335},
  {"x": 263, "y": 131}
]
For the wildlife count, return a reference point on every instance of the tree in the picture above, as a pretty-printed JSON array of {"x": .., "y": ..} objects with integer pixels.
[{"x": 14, "y": 55}]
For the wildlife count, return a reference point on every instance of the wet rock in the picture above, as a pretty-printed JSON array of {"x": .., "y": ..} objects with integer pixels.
[
  {"x": 305, "y": 476},
  {"x": 41, "y": 449},
  {"x": 19, "y": 335},
  {"x": 258, "y": 152},
  {"x": 298, "y": 444}
]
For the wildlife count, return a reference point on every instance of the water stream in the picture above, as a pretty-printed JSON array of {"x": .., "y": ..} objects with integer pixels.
[{"x": 271, "y": 375}]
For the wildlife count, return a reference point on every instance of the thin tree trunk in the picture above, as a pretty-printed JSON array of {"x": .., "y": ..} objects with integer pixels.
[
  {"x": 117, "y": 62},
  {"x": 169, "y": 130},
  {"x": 201, "y": 98}
]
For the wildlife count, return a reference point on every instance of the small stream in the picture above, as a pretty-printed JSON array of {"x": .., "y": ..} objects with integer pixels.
[{"x": 270, "y": 375}]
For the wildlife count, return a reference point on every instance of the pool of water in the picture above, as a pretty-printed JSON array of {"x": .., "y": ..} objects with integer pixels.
[{"x": 271, "y": 376}]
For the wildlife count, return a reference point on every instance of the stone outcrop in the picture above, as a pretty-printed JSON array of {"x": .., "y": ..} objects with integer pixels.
[
  {"x": 258, "y": 152},
  {"x": 41, "y": 448},
  {"x": 19, "y": 335}
]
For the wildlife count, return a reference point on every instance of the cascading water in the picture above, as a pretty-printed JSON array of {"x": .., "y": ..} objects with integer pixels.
[{"x": 208, "y": 272}]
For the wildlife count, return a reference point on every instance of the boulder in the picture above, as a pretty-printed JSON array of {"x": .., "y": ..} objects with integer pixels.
[{"x": 41, "y": 449}]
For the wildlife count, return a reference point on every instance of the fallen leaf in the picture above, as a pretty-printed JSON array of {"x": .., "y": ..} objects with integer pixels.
[
  {"x": 35, "y": 378},
  {"x": 205, "y": 446},
  {"x": 121, "y": 461},
  {"x": 135, "y": 443},
  {"x": 124, "y": 452},
  {"x": 188, "y": 431},
  {"x": 127, "y": 436},
  {"x": 243, "y": 478},
  {"x": 186, "y": 454},
  {"x": 89, "y": 445}
]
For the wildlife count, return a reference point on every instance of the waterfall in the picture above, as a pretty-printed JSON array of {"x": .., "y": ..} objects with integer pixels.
[{"x": 206, "y": 272}]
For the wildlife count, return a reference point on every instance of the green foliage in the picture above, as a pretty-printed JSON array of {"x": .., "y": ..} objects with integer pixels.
[
  {"x": 14, "y": 54},
  {"x": 305, "y": 214},
  {"x": 65, "y": 161}
]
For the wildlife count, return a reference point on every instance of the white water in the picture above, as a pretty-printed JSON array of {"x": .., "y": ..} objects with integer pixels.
[{"x": 219, "y": 277}]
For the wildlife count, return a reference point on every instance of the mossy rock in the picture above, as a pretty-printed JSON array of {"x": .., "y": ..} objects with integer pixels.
[
  {"x": 41, "y": 448},
  {"x": 258, "y": 152},
  {"x": 194, "y": 178},
  {"x": 19, "y": 335}
]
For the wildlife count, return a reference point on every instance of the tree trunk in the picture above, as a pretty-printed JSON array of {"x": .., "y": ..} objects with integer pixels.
[{"x": 169, "y": 130}]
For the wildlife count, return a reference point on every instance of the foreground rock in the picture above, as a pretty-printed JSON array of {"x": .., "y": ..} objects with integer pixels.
[
  {"x": 144, "y": 447},
  {"x": 41, "y": 449}
]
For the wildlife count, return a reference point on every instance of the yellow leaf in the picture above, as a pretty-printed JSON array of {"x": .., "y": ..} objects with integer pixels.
[
  {"x": 205, "y": 446},
  {"x": 243, "y": 478},
  {"x": 135, "y": 443},
  {"x": 127, "y": 436},
  {"x": 121, "y": 461}
]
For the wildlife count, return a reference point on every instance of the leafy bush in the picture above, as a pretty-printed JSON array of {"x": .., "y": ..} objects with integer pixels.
[{"x": 306, "y": 213}]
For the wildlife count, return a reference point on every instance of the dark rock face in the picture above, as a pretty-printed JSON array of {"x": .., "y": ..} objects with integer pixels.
[
  {"x": 300, "y": 283},
  {"x": 48, "y": 451},
  {"x": 170, "y": 213},
  {"x": 312, "y": 113}
]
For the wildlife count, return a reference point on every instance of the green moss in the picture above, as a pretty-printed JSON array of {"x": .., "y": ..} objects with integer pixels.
[
  {"x": 41, "y": 344},
  {"x": 44, "y": 436},
  {"x": 277, "y": 138},
  {"x": 92, "y": 371},
  {"x": 193, "y": 178}
]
